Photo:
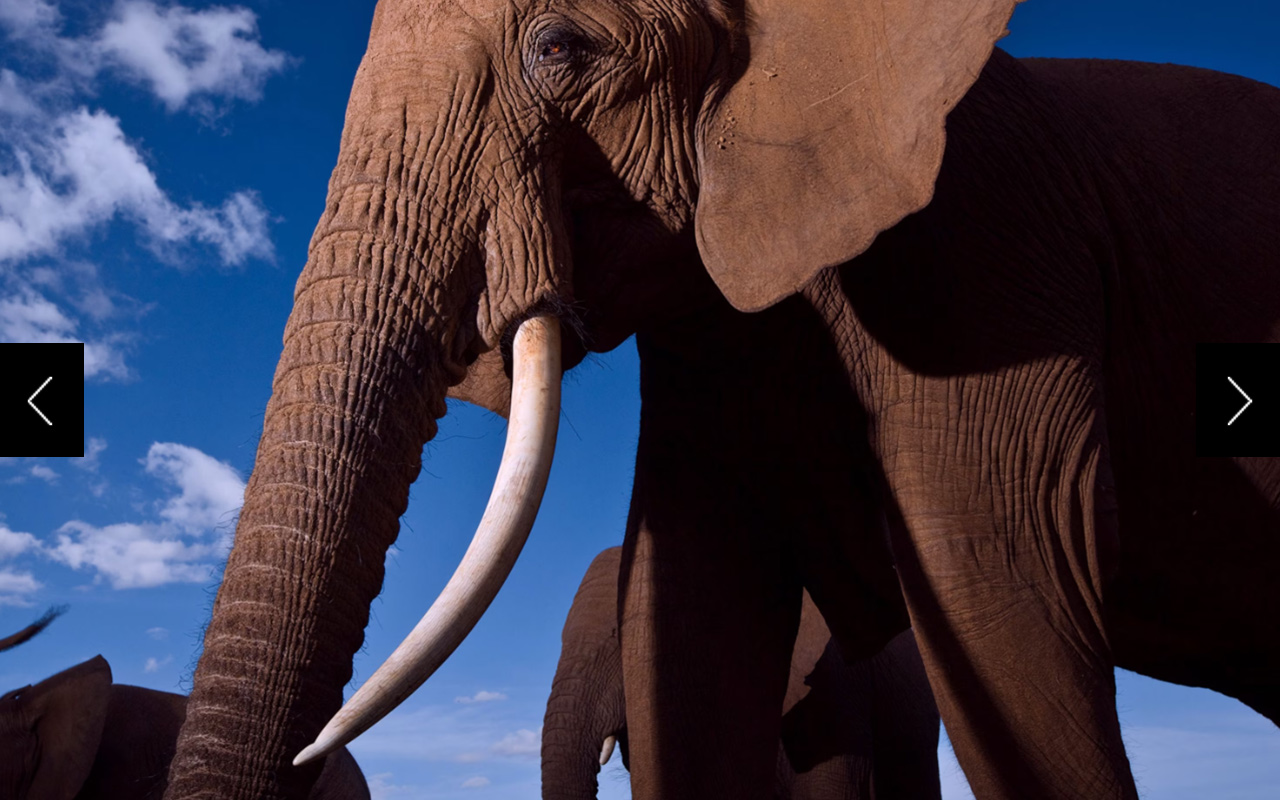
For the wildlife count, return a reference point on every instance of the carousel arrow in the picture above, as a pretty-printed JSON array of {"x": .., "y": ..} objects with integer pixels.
[
  {"x": 31, "y": 400},
  {"x": 1248, "y": 401}
]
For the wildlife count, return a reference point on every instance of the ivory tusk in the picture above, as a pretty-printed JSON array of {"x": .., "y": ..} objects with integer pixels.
[
  {"x": 513, "y": 507},
  {"x": 606, "y": 752}
]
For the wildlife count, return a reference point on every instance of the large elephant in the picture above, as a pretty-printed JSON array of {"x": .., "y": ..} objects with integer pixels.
[
  {"x": 78, "y": 736},
  {"x": 845, "y": 726},
  {"x": 994, "y": 349}
]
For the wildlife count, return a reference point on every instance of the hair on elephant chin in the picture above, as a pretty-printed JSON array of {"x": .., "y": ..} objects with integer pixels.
[{"x": 488, "y": 379}]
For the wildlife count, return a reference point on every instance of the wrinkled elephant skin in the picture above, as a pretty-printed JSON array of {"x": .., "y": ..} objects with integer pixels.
[
  {"x": 845, "y": 727},
  {"x": 963, "y": 400}
]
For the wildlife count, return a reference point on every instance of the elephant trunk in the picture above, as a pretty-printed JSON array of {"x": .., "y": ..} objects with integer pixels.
[
  {"x": 587, "y": 705},
  {"x": 361, "y": 380},
  {"x": 586, "y": 709}
]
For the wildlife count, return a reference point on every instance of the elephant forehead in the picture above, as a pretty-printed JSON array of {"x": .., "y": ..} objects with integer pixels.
[{"x": 415, "y": 21}]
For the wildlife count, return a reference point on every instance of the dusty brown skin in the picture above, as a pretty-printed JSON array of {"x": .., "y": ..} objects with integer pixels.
[
  {"x": 846, "y": 727},
  {"x": 78, "y": 735},
  {"x": 1006, "y": 375}
]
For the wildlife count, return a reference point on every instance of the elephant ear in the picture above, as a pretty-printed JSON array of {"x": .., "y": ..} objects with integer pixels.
[
  {"x": 832, "y": 132},
  {"x": 68, "y": 712}
]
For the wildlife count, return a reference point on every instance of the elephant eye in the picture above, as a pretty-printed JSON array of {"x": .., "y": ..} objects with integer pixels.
[{"x": 560, "y": 45}]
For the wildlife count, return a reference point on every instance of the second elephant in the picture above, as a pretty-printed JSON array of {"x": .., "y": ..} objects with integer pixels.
[
  {"x": 78, "y": 735},
  {"x": 846, "y": 728}
]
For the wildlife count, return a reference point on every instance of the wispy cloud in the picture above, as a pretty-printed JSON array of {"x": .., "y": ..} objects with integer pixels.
[
  {"x": 28, "y": 316},
  {"x": 155, "y": 665},
  {"x": 194, "y": 530},
  {"x": 478, "y": 782},
  {"x": 68, "y": 170},
  {"x": 159, "y": 634},
  {"x": 92, "y": 449},
  {"x": 183, "y": 55},
  {"x": 15, "y": 543},
  {"x": 17, "y": 587},
  {"x": 381, "y": 788},
  {"x": 187, "y": 58},
  {"x": 523, "y": 743},
  {"x": 457, "y": 733},
  {"x": 74, "y": 171},
  {"x": 481, "y": 697},
  {"x": 44, "y": 473}
]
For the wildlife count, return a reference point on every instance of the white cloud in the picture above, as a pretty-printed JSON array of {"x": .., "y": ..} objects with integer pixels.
[
  {"x": 15, "y": 586},
  {"x": 15, "y": 543},
  {"x": 187, "y": 58},
  {"x": 92, "y": 449},
  {"x": 180, "y": 54},
  {"x": 477, "y": 782},
  {"x": 154, "y": 665},
  {"x": 28, "y": 317},
  {"x": 381, "y": 788},
  {"x": 44, "y": 473},
  {"x": 211, "y": 490},
  {"x": 67, "y": 171},
  {"x": 194, "y": 531},
  {"x": 523, "y": 743},
  {"x": 76, "y": 171},
  {"x": 158, "y": 634},
  {"x": 29, "y": 17},
  {"x": 481, "y": 697},
  {"x": 133, "y": 556},
  {"x": 14, "y": 100}
]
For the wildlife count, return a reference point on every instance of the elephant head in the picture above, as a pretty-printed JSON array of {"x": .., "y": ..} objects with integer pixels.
[
  {"x": 77, "y": 734},
  {"x": 49, "y": 732},
  {"x": 508, "y": 166}
]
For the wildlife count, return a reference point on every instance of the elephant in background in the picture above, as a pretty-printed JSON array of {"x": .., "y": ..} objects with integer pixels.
[
  {"x": 845, "y": 727},
  {"x": 870, "y": 261},
  {"x": 78, "y": 735}
]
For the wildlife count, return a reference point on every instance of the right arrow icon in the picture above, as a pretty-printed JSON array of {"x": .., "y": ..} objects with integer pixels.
[{"x": 1248, "y": 401}]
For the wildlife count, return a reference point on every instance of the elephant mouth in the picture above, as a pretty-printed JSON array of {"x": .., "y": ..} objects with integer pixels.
[{"x": 503, "y": 530}]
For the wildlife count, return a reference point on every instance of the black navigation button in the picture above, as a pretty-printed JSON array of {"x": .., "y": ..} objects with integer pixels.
[
  {"x": 1238, "y": 399},
  {"x": 42, "y": 399}
]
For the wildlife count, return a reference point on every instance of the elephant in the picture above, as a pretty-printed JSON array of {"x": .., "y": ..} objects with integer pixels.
[
  {"x": 845, "y": 726},
  {"x": 78, "y": 735},
  {"x": 877, "y": 269}
]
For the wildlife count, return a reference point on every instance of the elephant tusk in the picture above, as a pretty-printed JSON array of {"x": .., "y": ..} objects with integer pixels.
[
  {"x": 606, "y": 752},
  {"x": 512, "y": 509}
]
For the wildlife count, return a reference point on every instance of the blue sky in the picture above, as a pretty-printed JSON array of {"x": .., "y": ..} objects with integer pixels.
[{"x": 161, "y": 170}]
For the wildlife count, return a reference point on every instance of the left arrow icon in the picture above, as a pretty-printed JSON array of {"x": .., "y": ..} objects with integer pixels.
[{"x": 31, "y": 401}]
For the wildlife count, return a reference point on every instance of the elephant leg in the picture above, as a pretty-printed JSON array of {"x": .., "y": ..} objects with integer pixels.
[
  {"x": 1003, "y": 547},
  {"x": 709, "y": 611},
  {"x": 904, "y": 724}
]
